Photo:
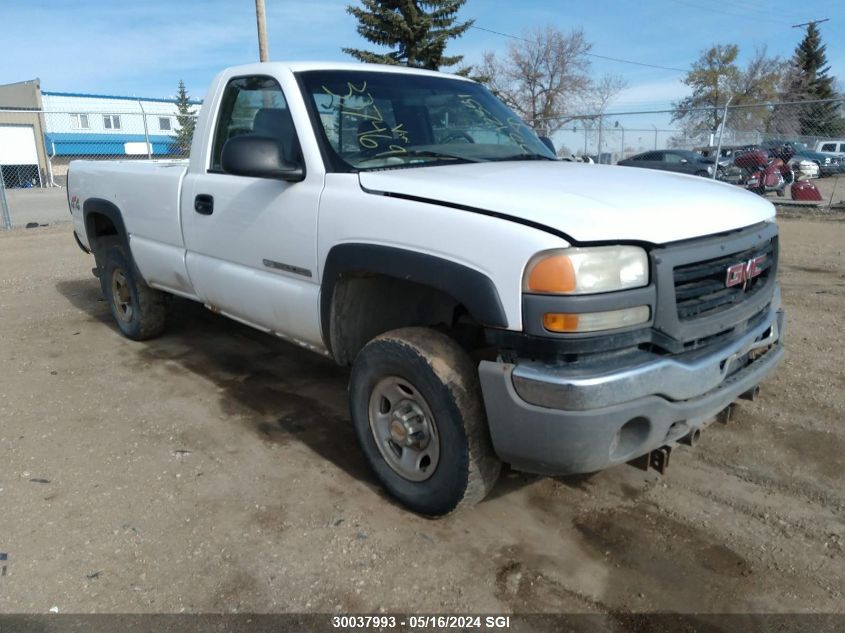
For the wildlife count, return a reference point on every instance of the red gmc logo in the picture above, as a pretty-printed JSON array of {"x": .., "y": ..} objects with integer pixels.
[{"x": 742, "y": 273}]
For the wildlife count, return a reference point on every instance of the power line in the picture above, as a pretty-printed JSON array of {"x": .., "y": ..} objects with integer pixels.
[
  {"x": 596, "y": 55},
  {"x": 734, "y": 14}
]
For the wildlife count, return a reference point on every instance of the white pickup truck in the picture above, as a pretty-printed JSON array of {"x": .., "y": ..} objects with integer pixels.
[{"x": 495, "y": 304}]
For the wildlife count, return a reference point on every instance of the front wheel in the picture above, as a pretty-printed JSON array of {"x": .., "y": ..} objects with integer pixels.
[{"x": 418, "y": 415}]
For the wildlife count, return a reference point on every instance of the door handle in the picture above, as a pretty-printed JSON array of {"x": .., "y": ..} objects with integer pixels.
[{"x": 204, "y": 204}]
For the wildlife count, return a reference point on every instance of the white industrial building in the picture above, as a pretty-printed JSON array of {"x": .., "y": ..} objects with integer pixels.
[
  {"x": 107, "y": 125},
  {"x": 40, "y": 131}
]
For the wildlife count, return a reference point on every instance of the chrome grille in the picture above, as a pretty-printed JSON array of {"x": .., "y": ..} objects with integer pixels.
[{"x": 700, "y": 287}]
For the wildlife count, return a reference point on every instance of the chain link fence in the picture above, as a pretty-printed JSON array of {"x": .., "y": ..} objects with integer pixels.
[
  {"x": 33, "y": 169},
  {"x": 813, "y": 130},
  {"x": 813, "y": 125}
]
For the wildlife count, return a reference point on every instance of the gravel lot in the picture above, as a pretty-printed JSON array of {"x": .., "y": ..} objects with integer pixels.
[{"x": 215, "y": 469}]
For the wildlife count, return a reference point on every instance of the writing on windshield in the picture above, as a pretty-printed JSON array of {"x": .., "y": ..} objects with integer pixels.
[{"x": 372, "y": 120}]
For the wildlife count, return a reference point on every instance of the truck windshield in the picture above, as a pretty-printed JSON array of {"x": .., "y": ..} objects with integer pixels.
[{"x": 373, "y": 120}]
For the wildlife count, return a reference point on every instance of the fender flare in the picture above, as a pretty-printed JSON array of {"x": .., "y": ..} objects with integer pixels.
[
  {"x": 106, "y": 208},
  {"x": 475, "y": 290}
]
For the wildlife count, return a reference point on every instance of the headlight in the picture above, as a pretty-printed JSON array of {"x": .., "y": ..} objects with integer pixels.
[
  {"x": 710, "y": 169},
  {"x": 578, "y": 271}
]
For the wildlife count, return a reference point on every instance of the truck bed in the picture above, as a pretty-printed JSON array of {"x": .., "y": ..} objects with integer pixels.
[{"x": 147, "y": 192}]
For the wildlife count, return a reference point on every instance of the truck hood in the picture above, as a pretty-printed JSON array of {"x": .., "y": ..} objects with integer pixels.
[{"x": 585, "y": 202}]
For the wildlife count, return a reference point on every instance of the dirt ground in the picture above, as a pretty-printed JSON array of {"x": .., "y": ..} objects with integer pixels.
[{"x": 215, "y": 470}]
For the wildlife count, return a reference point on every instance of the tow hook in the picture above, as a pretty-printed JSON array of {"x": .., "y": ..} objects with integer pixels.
[
  {"x": 658, "y": 459},
  {"x": 692, "y": 438},
  {"x": 752, "y": 394},
  {"x": 724, "y": 416}
]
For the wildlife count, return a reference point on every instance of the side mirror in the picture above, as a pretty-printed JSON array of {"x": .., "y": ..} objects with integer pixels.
[
  {"x": 548, "y": 143},
  {"x": 684, "y": 161},
  {"x": 259, "y": 157}
]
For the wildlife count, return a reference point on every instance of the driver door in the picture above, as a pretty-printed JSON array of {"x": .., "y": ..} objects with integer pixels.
[{"x": 251, "y": 242}]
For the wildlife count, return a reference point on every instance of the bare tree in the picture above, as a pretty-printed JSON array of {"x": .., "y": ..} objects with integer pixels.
[
  {"x": 541, "y": 77},
  {"x": 601, "y": 93}
]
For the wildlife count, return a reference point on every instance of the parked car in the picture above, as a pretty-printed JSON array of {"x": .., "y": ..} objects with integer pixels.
[
  {"x": 805, "y": 168},
  {"x": 727, "y": 171},
  {"x": 800, "y": 151},
  {"x": 834, "y": 147},
  {"x": 494, "y": 304},
  {"x": 682, "y": 161}
]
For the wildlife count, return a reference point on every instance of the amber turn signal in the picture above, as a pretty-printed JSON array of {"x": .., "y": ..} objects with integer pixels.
[
  {"x": 552, "y": 274},
  {"x": 557, "y": 322}
]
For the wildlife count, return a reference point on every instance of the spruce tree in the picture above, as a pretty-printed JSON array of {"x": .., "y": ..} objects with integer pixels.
[
  {"x": 417, "y": 31},
  {"x": 186, "y": 118},
  {"x": 810, "y": 81}
]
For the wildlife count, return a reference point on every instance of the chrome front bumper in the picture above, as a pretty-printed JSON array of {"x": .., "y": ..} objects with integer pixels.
[
  {"x": 676, "y": 377},
  {"x": 553, "y": 419}
]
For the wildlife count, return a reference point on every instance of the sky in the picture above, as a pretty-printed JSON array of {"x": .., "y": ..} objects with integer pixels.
[{"x": 144, "y": 47}]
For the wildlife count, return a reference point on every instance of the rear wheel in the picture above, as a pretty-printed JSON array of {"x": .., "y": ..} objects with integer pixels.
[
  {"x": 418, "y": 415},
  {"x": 138, "y": 310}
]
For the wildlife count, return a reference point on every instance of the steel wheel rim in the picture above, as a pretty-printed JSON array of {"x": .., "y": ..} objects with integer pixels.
[
  {"x": 121, "y": 295},
  {"x": 404, "y": 429}
]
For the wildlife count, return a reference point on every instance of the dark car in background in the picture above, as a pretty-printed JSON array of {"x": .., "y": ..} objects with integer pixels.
[{"x": 679, "y": 160}]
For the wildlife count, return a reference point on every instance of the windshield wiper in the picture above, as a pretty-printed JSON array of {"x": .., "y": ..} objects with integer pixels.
[
  {"x": 524, "y": 157},
  {"x": 425, "y": 153}
]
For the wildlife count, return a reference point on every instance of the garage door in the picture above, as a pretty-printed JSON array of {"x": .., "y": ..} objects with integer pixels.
[
  {"x": 18, "y": 156},
  {"x": 17, "y": 145}
]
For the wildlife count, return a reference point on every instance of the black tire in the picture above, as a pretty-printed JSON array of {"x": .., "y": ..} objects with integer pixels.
[
  {"x": 140, "y": 312},
  {"x": 702, "y": 173},
  {"x": 447, "y": 380}
]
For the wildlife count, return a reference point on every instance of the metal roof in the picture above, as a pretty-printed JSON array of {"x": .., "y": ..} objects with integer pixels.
[{"x": 120, "y": 97}]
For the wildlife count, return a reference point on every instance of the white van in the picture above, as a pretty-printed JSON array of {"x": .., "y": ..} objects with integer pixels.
[{"x": 835, "y": 147}]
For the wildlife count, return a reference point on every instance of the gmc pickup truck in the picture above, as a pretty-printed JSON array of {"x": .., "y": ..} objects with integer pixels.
[{"x": 494, "y": 304}]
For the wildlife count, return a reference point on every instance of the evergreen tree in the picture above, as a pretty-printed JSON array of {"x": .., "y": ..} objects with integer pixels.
[
  {"x": 809, "y": 80},
  {"x": 187, "y": 119},
  {"x": 417, "y": 31}
]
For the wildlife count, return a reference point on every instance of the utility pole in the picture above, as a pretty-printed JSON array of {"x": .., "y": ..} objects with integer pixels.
[
  {"x": 261, "y": 18},
  {"x": 621, "y": 127},
  {"x": 600, "y": 139},
  {"x": 798, "y": 26}
]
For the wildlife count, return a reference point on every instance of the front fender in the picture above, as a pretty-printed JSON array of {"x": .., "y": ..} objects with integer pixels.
[{"x": 475, "y": 290}]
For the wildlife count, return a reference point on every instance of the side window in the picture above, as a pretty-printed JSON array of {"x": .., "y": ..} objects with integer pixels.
[
  {"x": 672, "y": 158},
  {"x": 652, "y": 156},
  {"x": 842, "y": 147},
  {"x": 829, "y": 147},
  {"x": 255, "y": 105}
]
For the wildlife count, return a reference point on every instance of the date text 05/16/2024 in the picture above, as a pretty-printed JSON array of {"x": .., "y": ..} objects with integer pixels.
[{"x": 434, "y": 622}]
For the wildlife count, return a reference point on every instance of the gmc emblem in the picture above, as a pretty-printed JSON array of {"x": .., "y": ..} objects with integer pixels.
[{"x": 744, "y": 272}]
